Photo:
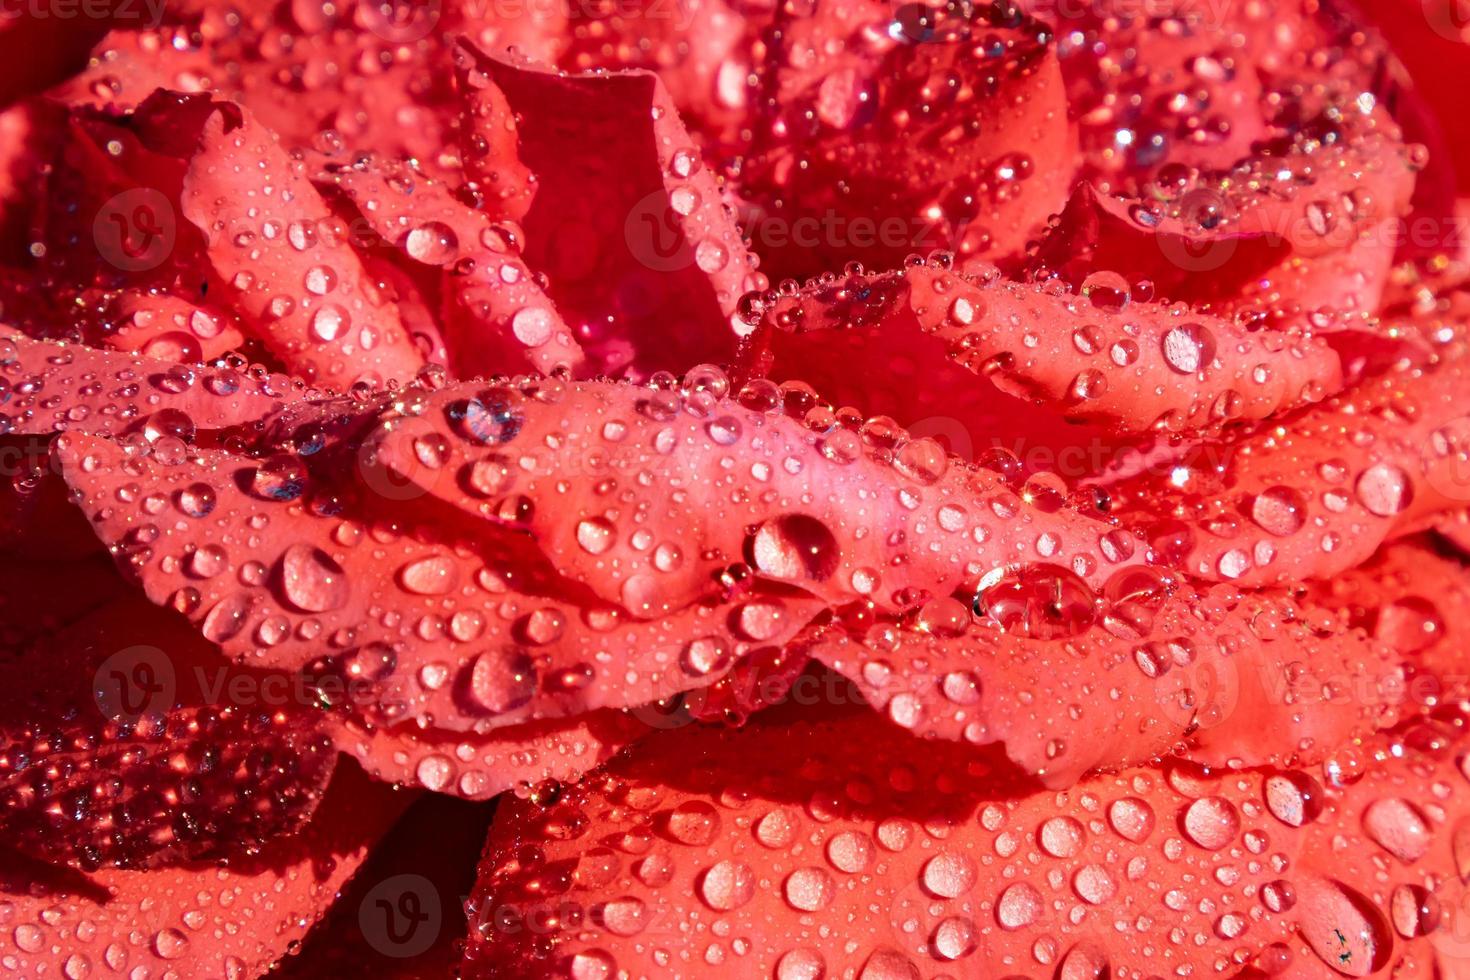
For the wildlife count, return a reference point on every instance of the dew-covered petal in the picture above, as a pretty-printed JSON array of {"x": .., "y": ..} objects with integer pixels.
[
  {"x": 499, "y": 319},
  {"x": 50, "y": 387},
  {"x": 316, "y": 564},
  {"x": 1071, "y": 682},
  {"x": 128, "y": 742},
  {"x": 1319, "y": 492},
  {"x": 290, "y": 266},
  {"x": 650, "y": 496},
  {"x": 629, "y": 223},
  {"x": 217, "y": 918},
  {"x": 901, "y": 129},
  {"x": 901, "y": 861},
  {"x": 481, "y": 766}
]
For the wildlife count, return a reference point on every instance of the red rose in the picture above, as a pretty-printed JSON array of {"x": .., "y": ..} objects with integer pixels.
[{"x": 830, "y": 489}]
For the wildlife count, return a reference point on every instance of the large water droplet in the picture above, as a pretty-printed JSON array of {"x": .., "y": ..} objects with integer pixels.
[{"x": 311, "y": 580}]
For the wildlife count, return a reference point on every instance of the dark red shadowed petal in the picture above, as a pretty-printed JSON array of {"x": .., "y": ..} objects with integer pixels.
[
  {"x": 1233, "y": 241},
  {"x": 1071, "y": 683},
  {"x": 29, "y": 133},
  {"x": 1158, "y": 90},
  {"x": 479, "y": 767},
  {"x": 497, "y": 317},
  {"x": 881, "y": 142},
  {"x": 233, "y": 918},
  {"x": 655, "y": 498},
  {"x": 49, "y": 387},
  {"x": 459, "y": 624},
  {"x": 645, "y": 262},
  {"x": 37, "y": 518},
  {"x": 38, "y": 48},
  {"x": 873, "y": 856},
  {"x": 401, "y": 916},
  {"x": 43, "y": 597},
  {"x": 291, "y": 269},
  {"x": 1320, "y": 492},
  {"x": 128, "y": 742},
  {"x": 1430, "y": 39}
]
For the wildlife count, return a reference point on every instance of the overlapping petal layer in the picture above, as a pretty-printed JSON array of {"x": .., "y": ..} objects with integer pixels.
[{"x": 700, "y": 851}]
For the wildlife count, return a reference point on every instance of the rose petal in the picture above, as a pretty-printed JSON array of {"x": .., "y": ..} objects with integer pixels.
[
  {"x": 895, "y": 861},
  {"x": 1413, "y": 599},
  {"x": 401, "y": 917},
  {"x": 1319, "y": 493},
  {"x": 1232, "y": 243},
  {"x": 820, "y": 512},
  {"x": 128, "y": 743},
  {"x": 1219, "y": 677},
  {"x": 500, "y": 321},
  {"x": 1096, "y": 357},
  {"x": 291, "y": 567},
  {"x": 510, "y": 758},
  {"x": 215, "y": 918},
  {"x": 272, "y": 238},
  {"x": 318, "y": 76},
  {"x": 884, "y": 144},
  {"x": 645, "y": 262},
  {"x": 503, "y": 186},
  {"x": 49, "y": 387},
  {"x": 705, "y": 51}
]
